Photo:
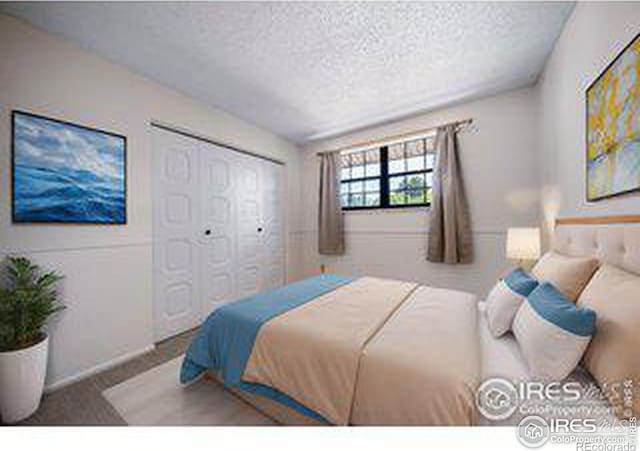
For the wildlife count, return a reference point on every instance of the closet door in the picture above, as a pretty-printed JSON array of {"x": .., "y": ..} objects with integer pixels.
[
  {"x": 218, "y": 238},
  {"x": 218, "y": 229},
  {"x": 175, "y": 245},
  {"x": 272, "y": 243},
  {"x": 249, "y": 199}
]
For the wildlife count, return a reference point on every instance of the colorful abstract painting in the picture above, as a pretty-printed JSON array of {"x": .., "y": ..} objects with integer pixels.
[
  {"x": 613, "y": 127},
  {"x": 67, "y": 173}
]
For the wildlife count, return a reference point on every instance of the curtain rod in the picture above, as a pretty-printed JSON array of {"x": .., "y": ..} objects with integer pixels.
[{"x": 396, "y": 137}]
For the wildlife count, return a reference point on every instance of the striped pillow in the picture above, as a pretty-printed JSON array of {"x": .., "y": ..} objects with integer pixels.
[
  {"x": 505, "y": 299},
  {"x": 553, "y": 333}
]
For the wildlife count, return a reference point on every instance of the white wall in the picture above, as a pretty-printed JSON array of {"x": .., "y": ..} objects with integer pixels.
[
  {"x": 108, "y": 268},
  {"x": 499, "y": 161},
  {"x": 592, "y": 37}
]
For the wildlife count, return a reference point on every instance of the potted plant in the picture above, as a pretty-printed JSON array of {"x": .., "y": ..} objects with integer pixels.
[{"x": 28, "y": 298}]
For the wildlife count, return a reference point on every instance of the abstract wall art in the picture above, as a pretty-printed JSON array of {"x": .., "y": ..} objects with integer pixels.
[
  {"x": 66, "y": 173},
  {"x": 613, "y": 127}
]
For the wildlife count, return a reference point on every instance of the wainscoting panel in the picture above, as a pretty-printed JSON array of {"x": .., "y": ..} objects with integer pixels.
[{"x": 400, "y": 254}]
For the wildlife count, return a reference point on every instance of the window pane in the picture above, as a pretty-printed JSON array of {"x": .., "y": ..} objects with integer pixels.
[
  {"x": 416, "y": 181},
  {"x": 414, "y": 148},
  {"x": 344, "y": 200},
  {"x": 372, "y": 159},
  {"x": 356, "y": 161},
  {"x": 357, "y": 158},
  {"x": 357, "y": 172},
  {"x": 396, "y": 151},
  {"x": 372, "y": 156},
  {"x": 356, "y": 187},
  {"x": 416, "y": 196},
  {"x": 396, "y": 166},
  {"x": 373, "y": 170},
  {"x": 430, "y": 144},
  {"x": 431, "y": 160},
  {"x": 372, "y": 186},
  {"x": 356, "y": 200},
  {"x": 416, "y": 163},
  {"x": 345, "y": 165},
  {"x": 372, "y": 199},
  {"x": 429, "y": 179},
  {"x": 429, "y": 195},
  {"x": 344, "y": 188},
  {"x": 396, "y": 159},
  {"x": 397, "y": 198},
  {"x": 414, "y": 151},
  {"x": 397, "y": 183}
]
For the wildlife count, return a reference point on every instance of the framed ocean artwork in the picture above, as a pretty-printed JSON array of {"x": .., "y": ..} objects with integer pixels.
[
  {"x": 66, "y": 173},
  {"x": 613, "y": 127}
]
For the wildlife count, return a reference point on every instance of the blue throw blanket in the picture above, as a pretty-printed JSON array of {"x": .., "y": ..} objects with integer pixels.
[{"x": 225, "y": 340}]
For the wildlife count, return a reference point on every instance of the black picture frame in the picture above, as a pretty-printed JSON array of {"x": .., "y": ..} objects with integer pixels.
[{"x": 15, "y": 219}]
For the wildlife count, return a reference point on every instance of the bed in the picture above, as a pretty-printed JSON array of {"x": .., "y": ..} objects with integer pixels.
[{"x": 370, "y": 351}]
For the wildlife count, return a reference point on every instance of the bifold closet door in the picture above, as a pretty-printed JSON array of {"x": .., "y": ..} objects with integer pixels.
[
  {"x": 176, "y": 195},
  {"x": 272, "y": 243},
  {"x": 260, "y": 225},
  {"x": 218, "y": 229},
  {"x": 249, "y": 180},
  {"x": 218, "y": 232}
]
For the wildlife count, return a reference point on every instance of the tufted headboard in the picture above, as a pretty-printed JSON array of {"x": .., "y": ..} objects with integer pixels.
[{"x": 611, "y": 239}]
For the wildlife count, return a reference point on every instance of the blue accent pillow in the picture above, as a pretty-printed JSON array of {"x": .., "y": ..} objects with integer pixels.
[
  {"x": 556, "y": 308},
  {"x": 553, "y": 333},
  {"x": 521, "y": 282}
]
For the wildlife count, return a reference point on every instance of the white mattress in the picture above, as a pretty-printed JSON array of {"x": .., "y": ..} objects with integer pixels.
[{"x": 501, "y": 357}]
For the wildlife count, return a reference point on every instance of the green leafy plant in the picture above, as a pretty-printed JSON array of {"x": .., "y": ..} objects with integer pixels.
[{"x": 28, "y": 297}]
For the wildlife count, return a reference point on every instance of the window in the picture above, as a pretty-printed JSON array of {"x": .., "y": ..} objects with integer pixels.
[
  {"x": 361, "y": 179},
  {"x": 393, "y": 176}
]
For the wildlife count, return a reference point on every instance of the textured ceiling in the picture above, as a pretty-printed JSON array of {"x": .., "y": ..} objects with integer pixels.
[{"x": 312, "y": 70}]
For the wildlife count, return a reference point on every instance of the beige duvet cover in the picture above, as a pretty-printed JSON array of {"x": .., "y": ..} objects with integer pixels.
[
  {"x": 375, "y": 351},
  {"x": 423, "y": 366}
]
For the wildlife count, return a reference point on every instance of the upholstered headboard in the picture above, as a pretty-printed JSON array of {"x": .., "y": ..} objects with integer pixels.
[{"x": 611, "y": 239}]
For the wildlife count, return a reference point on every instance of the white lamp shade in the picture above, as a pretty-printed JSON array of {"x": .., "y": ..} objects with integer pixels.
[{"x": 523, "y": 243}]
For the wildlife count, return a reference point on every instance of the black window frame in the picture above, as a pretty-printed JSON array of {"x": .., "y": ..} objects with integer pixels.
[{"x": 384, "y": 184}]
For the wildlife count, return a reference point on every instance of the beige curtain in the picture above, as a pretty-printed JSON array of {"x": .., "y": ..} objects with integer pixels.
[
  {"x": 450, "y": 239},
  {"x": 330, "y": 221}
]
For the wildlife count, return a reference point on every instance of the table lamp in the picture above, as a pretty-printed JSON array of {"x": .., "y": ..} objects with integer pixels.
[{"x": 523, "y": 245}]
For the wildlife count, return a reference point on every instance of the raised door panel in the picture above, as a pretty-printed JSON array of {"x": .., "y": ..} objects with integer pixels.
[
  {"x": 218, "y": 227},
  {"x": 175, "y": 248},
  {"x": 272, "y": 221},
  {"x": 248, "y": 198}
]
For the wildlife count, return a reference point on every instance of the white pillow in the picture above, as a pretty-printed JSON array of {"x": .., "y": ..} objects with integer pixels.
[
  {"x": 553, "y": 333},
  {"x": 613, "y": 357},
  {"x": 505, "y": 299},
  {"x": 569, "y": 275}
]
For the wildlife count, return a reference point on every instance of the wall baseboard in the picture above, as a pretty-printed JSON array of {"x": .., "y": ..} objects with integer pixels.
[{"x": 97, "y": 369}]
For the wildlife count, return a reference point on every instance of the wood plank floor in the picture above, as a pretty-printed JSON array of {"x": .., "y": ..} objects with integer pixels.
[
  {"x": 156, "y": 398},
  {"x": 82, "y": 403}
]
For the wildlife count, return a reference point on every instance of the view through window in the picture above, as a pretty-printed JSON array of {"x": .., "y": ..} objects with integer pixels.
[{"x": 392, "y": 176}]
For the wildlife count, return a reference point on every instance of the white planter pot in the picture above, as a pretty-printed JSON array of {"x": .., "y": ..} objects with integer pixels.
[{"x": 22, "y": 375}]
